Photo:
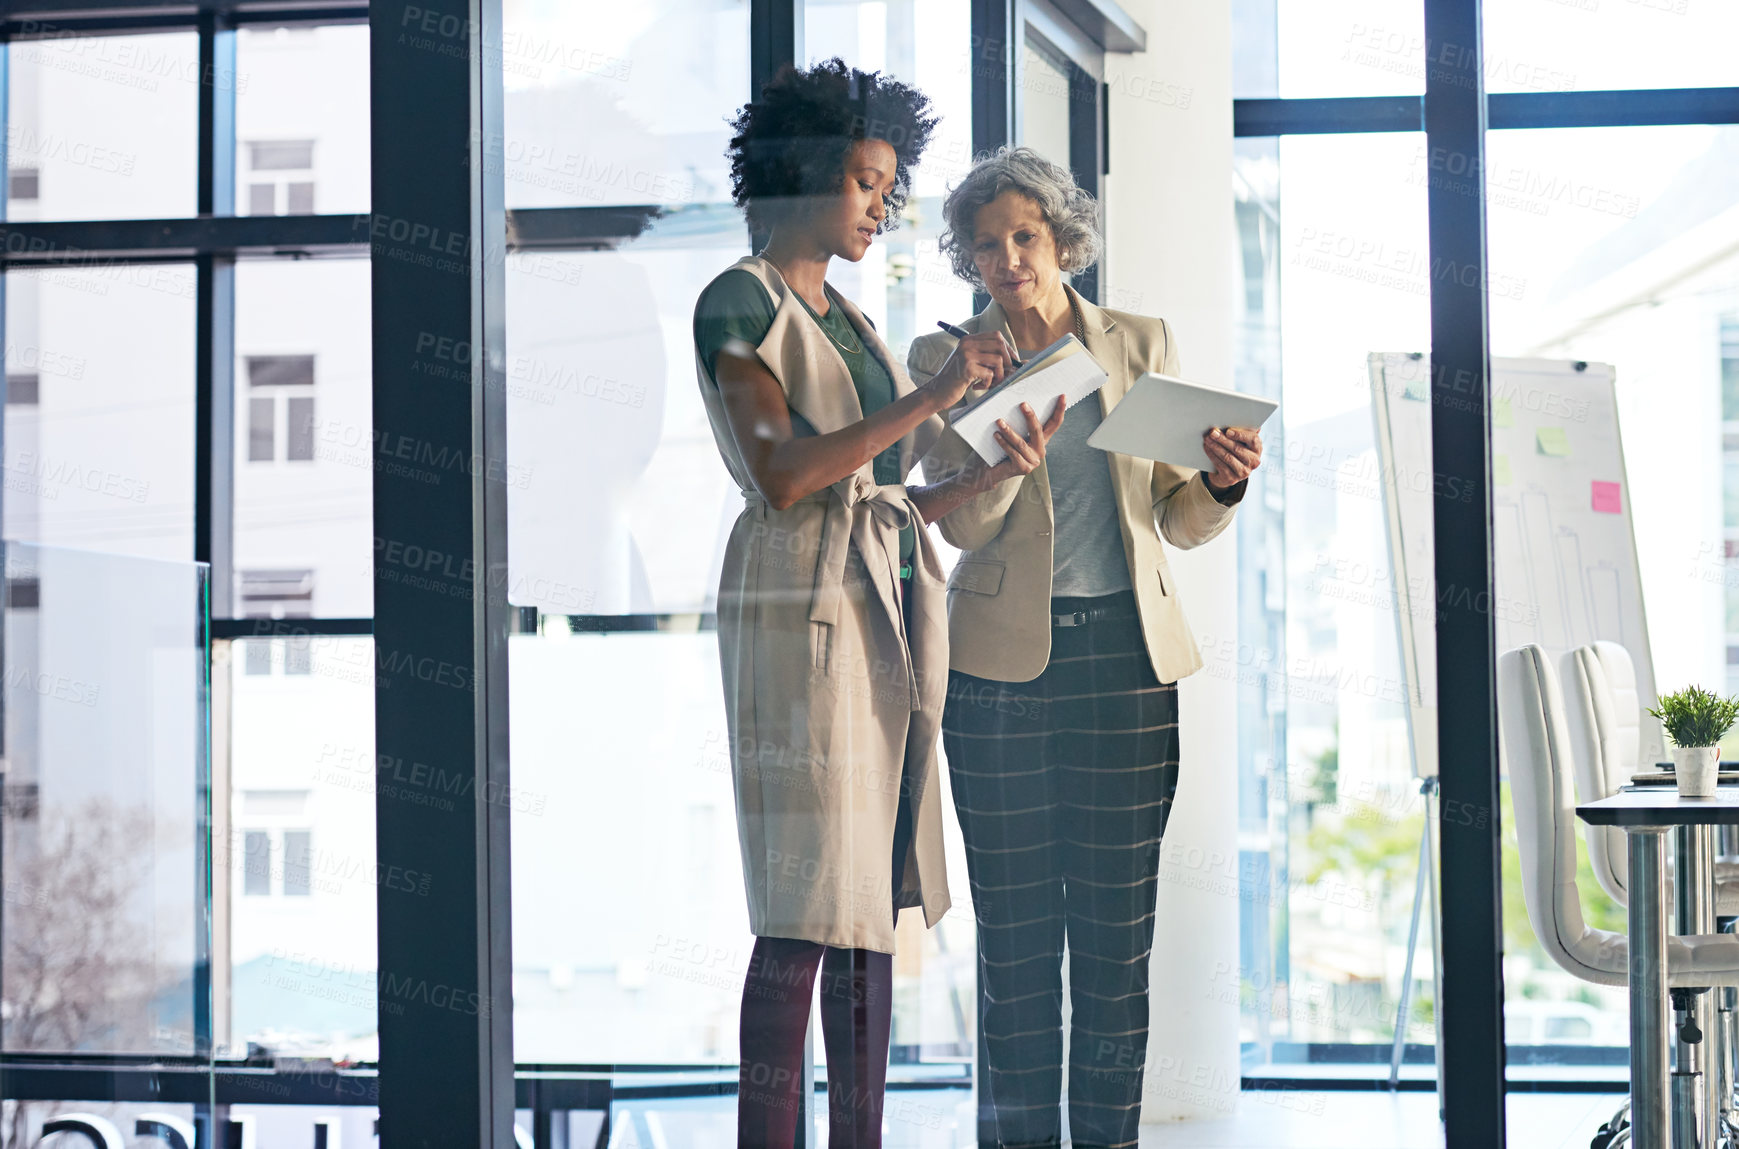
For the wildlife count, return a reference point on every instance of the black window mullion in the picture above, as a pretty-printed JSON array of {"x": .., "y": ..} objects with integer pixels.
[
  {"x": 1506, "y": 111},
  {"x": 1470, "y": 998},
  {"x": 775, "y": 40},
  {"x": 440, "y": 589}
]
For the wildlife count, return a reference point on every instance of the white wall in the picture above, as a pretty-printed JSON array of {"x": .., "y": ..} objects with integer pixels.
[{"x": 1171, "y": 253}]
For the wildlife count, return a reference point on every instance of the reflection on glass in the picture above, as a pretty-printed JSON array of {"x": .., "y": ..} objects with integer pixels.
[
  {"x": 301, "y": 147},
  {"x": 620, "y": 103},
  {"x": 615, "y": 496},
  {"x": 660, "y": 957},
  {"x": 305, "y": 449},
  {"x": 299, "y": 920},
  {"x": 99, "y": 430},
  {"x": 88, "y": 1122},
  {"x": 105, "y": 936}
]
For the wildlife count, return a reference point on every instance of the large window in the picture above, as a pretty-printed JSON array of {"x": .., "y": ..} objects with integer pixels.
[
  {"x": 1330, "y": 806},
  {"x": 196, "y": 403},
  {"x": 1607, "y": 245}
]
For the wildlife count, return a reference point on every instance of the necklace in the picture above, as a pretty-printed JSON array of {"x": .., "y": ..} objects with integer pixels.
[
  {"x": 819, "y": 322},
  {"x": 832, "y": 338}
]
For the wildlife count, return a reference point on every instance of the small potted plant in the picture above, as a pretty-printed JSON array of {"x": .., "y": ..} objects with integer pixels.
[{"x": 1696, "y": 719}]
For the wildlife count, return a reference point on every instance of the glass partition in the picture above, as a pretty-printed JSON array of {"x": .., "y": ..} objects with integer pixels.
[{"x": 107, "y": 830}]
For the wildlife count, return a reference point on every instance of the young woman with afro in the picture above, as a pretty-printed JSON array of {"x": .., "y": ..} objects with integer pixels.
[{"x": 831, "y": 617}]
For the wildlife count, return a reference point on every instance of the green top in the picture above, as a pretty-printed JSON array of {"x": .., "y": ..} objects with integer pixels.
[{"x": 736, "y": 306}]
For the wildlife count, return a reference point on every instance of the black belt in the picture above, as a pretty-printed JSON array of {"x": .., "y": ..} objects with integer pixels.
[{"x": 1081, "y": 611}]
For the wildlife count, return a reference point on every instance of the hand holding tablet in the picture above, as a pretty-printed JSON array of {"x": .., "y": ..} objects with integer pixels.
[{"x": 1164, "y": 418}]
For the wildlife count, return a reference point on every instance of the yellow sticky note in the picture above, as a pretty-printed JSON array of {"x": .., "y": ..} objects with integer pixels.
[
  {"x": 1553, "y": 441},
  {"x": 1500, "y": 470},
  {"x": 1501, "y": 415}
]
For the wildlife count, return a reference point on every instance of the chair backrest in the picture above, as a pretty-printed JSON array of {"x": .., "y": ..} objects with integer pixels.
[
  {"x": 1605, "y": 720},
  {"x": 1536, "y": 744}
]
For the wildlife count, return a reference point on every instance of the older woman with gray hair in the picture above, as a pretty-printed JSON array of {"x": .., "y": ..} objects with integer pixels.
[{"x": 1067, "y": 640}]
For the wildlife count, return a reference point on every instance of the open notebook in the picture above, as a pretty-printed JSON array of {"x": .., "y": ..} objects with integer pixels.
[{"x": 1064, "y": 368}]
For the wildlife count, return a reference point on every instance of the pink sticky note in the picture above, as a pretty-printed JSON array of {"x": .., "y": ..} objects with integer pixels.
[{"x": 1606, "y": 498}]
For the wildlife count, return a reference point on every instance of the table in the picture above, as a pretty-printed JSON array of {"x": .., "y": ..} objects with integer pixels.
[{"x": 1645, "y": 815}]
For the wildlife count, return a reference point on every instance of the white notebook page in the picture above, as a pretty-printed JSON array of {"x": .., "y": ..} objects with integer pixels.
[{"x": 1074, "y": 377}]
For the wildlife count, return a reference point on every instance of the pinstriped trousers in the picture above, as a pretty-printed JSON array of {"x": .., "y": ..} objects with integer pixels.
[{"x": 1063, "y": 786}]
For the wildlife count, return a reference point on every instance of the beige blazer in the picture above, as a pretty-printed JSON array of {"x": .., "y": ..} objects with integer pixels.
[
  {"x": 833, "y": 693},
  {"x": 999, "y": 620}
]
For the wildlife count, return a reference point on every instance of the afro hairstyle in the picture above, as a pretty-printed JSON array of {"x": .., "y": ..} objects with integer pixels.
[{"x": 793, "y": 142}]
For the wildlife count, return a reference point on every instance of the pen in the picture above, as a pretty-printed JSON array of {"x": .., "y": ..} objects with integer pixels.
[{"x": 961, "y": 333}]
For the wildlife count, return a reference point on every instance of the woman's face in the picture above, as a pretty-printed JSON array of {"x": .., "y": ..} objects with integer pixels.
[
  {"x": 847, "y": 223},
  {"x": 1014, "y": 251}
]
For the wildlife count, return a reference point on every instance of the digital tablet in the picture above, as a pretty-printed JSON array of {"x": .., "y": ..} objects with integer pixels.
[{"x": 1164, "y": 418}]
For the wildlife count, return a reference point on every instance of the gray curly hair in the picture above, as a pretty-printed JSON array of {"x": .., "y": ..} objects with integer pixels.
[{"x": 1071, "y": 212}]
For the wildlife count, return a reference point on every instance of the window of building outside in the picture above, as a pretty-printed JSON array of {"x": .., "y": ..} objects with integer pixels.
[
  {"x": 304, "y": 445},
  {"x": 280, "y": 177},
  {"x": 23, "y": 389},
  {"x": 280, "y": 408},
  {"x": 24, "y": 184}
]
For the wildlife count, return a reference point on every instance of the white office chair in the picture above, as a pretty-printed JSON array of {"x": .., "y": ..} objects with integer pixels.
[
  {"x": 1605, "y": 723},
  {"x": 1536, "y": 739},
  {"x": 1537, "y": 743}
]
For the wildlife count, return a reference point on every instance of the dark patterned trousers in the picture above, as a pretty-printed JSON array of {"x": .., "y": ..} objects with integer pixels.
[{"x": 1063, "y": 785}]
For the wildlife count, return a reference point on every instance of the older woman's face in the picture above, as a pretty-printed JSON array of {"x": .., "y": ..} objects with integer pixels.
[{"x": 1014, "y": 251}]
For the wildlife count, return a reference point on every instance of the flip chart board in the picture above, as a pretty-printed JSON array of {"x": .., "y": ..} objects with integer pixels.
[{"x": 1563, "y": 548}]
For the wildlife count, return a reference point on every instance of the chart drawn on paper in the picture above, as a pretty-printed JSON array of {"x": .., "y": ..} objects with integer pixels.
[{"x": 1564, "y": 550}]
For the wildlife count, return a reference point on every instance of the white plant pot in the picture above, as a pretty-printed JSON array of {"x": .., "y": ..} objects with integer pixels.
[{"x": 1696, "y": 770}]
